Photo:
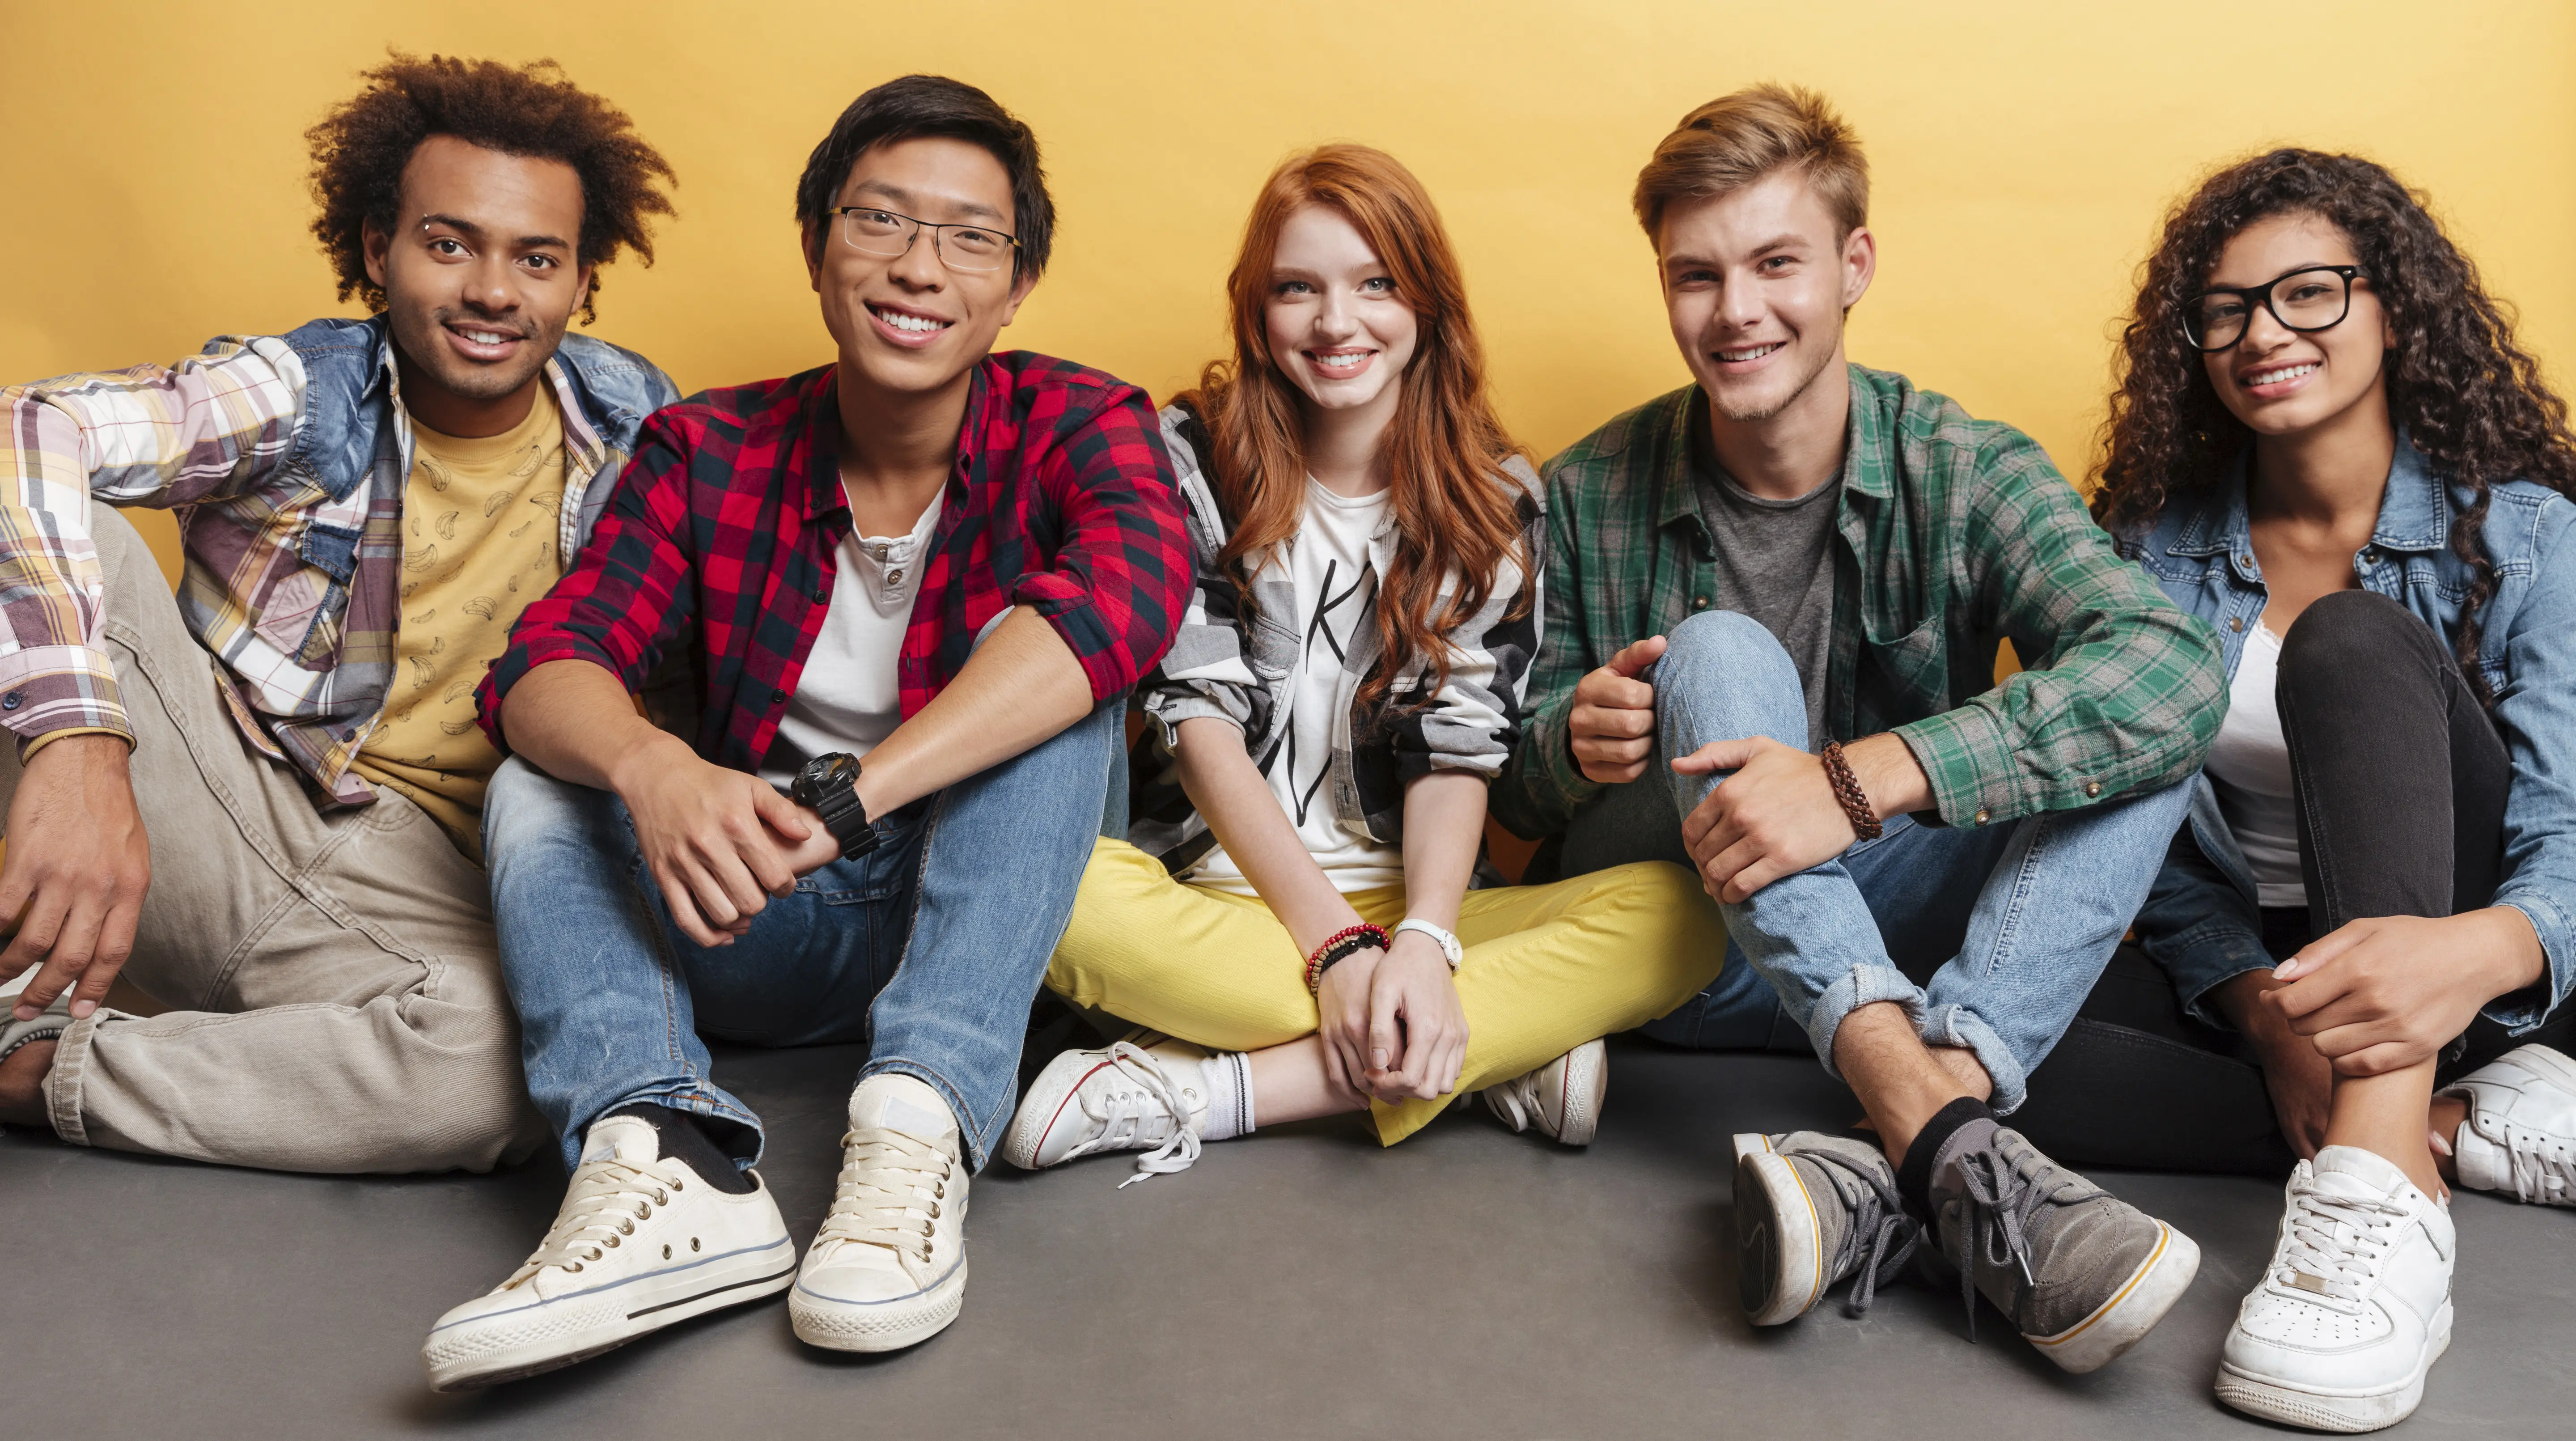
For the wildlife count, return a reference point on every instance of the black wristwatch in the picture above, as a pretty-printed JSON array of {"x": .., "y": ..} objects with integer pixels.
[{"x": 829, "y": 786}]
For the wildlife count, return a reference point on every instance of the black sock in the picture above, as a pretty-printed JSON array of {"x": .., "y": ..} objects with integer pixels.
[
  {"x": 684, "y": 1139},
  {"x": 1914, "y": 1175}
]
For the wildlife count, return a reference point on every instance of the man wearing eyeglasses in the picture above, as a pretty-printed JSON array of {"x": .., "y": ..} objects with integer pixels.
[{"x": 912, "y": 585}]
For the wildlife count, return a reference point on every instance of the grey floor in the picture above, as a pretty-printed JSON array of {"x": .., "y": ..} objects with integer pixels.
[{"x": 1470, "y": 1283}]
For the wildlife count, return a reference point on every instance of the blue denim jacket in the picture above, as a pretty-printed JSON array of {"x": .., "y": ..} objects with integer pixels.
[{"x": 2201, "y": 922}]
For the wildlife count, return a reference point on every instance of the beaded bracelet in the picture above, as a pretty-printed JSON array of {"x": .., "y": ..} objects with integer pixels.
[
  {"x": 1340, "y": 946},
  {"x": 1838, "y": 773}
]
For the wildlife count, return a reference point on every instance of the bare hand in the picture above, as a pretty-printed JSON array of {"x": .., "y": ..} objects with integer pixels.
[
  {"x": 2297, "y": 1075},
  {"x": 78, "y": 865},
  {"x": 1613, "y": 723},
  {"x": 1776, "y": 816},
  {"x": 2389, "y": 992},
  {"x": 720, "y": 842},
  {"x": 1417, "y": 1030},
  {"x": 1342, "y": 1012}
]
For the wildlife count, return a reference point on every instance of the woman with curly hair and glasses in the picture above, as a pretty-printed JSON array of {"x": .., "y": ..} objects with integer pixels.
[
  {"x": 1293, "y": 919},
  {"x": 2328, "y": 445}
]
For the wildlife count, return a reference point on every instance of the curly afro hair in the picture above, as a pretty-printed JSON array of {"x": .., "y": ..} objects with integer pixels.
[{"x": 361, "y": 147}]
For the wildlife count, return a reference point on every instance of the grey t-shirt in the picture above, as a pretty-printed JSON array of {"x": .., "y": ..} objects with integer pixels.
[{"x": 1775, "y": 563}]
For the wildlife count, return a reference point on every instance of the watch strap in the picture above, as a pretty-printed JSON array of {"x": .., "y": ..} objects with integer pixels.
[
  {"x": 847, "y": 819},
  {"x": 1455, "y": 953}
]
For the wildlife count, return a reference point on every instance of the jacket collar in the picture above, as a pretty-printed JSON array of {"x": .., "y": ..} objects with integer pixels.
[
  {"x": 823, "y": 438},
  {"x": 584, "y": 451},
  {"x": 2414, "y": 514}
]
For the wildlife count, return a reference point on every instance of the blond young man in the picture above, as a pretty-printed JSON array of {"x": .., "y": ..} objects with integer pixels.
[{"x": 1796, "y": 547}]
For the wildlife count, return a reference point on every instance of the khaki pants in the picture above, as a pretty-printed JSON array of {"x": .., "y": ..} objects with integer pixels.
[
  {"x": 1548, "y": 967},
  {"x": 336, "y": 991}
]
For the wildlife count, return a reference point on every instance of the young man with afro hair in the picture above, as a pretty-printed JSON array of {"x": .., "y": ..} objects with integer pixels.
[{"x": 260, "y": 800}]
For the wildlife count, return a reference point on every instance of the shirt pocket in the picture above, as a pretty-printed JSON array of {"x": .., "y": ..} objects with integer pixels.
[
  {"x": 1911, "y": 665},
  {"x": 302, "y": 611},
  {"x": 1270, "y": 646}
]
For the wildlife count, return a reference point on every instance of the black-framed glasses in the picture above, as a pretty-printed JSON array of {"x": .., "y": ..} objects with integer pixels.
[
  {"x": 872, "y": 230},
  {"x": 2312, "y": 297}
]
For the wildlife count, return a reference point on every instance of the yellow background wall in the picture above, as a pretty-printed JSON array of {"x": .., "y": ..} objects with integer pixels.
[{"x": 2023, "y": 153}]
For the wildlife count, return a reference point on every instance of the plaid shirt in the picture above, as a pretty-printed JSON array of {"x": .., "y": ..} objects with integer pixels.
[
  {"x": 1957, "y": 533},
  {"x": 294, "y": 549},
  {"x": 719, "y": 543}
]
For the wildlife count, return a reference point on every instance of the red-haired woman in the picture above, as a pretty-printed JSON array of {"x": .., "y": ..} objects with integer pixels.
[{"x": 1292, "y": 921}]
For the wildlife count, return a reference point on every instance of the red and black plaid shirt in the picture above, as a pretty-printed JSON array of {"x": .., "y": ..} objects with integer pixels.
[{"x": 721, "y": 533}]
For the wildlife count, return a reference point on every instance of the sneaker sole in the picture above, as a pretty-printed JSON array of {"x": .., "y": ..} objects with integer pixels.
[
  {"x": 1779, "y": 1251},
  {"x": 880, "y": 1325},
  {"x": 1585, "y": 1089},
  {"x": 560, "y": 1333},
  {"x": 2132, "y": 1311},
  {"x": 2330, "y": 1411}
]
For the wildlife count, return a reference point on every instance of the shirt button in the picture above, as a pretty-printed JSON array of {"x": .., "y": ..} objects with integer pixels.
[
  {"x": 894, "y": 577},
  {"x": 1699, "y": 602},
  {"x": 1981, "y": 815},
  {"x": 2092, "y": 789},
  {"x": 821, "y": 595},
  {"x": 778, "y": 697},
  {"x": 13, "y": 700}
]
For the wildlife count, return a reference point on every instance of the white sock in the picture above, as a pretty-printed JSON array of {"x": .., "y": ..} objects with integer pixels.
[{"x": 1229, "y": 1083}]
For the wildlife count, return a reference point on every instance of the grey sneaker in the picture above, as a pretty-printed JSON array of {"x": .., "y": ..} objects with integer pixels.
[
  {"x": 2082, "y": 1274},
  {"x": 47, "y": 1026},
  {"x": 1811, "y": 1210}
]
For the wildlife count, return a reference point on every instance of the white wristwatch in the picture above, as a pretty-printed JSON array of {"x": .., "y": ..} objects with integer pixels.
[{"x": 1449, "y": 947}]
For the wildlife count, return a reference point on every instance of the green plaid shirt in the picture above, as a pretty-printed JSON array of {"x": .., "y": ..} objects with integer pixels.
[{"x": 1957, "y": 534}]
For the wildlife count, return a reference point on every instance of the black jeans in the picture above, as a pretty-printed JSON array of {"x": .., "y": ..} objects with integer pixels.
[{"x": 2399, "y": 779}]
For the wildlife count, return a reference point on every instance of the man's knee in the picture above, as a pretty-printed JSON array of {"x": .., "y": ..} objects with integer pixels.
[
  {"x": 1723, "y": 647},
  {"x": 525, "y": 809}
]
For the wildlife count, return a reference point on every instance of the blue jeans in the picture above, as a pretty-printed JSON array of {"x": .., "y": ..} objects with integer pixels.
[
  {"x": 2014, "y": 922},
  {"x": 929, "y": 948}
]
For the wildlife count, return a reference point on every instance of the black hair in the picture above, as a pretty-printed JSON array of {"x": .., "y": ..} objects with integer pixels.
[{"x": 919, "y": 106}]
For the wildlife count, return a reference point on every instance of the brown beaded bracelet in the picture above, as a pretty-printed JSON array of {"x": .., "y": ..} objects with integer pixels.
[
  {"x": 1838, "y": 774},
  {"x": 1340, "y": 946}
]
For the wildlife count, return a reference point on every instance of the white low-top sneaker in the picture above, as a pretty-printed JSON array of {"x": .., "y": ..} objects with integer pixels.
[
  {"x": 2520, "y": 1139},
  {"x": 1146, "y": 1093},
  {"x": 2356, "y": 1307},
  {"x": 641, "y": 1242},
  {"x": 888, "y": 1268},
  {"x": 1562, "y": 1098}
]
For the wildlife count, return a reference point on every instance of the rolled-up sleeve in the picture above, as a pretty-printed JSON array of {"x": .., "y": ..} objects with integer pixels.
[{"x": 1115, "y": 590}]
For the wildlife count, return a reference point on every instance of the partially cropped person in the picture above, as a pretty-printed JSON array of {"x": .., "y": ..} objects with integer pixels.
[
  {"x": 260, "y": 802},
  {"x": 1293, "y": 919},
  {"x": 2328, "y": 445},
  {"x": 1795, "y": 550},
  {"x": 916, "y": 584}
]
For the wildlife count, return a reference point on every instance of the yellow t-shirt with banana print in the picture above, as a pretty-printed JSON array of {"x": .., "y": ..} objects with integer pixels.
[{"x": 479, "y": 525}]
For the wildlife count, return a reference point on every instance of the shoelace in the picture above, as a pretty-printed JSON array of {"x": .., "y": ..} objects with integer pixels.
[
  {"x": 1878, "y": 1223},
  {"x": 890, "y": 1193},
  {"x": 2002, "y": 1195},
  {"x": 2544, "y": 1169},
  {"x": 1127, "y": 1116},
  {"x": 607, "y": 1198},
  {"x": 1514, "y": 1100},
  {"x": 2335, "y": 1242}
]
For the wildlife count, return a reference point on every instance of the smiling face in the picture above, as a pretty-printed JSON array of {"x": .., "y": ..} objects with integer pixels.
[
  {"x": 2279, "y": 381},
  {"x": 1337, "y": 329},
  {"x": 909, "y": 323},
  {"x": 1756, "y": 282},
  {"x": 480, "y": 280}
]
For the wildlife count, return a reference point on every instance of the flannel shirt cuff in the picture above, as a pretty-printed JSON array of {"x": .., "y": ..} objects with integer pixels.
[
  {"x": 1969, "y": 761},
  {"x": 527, "y": 655},
  {"x": 1556, "y": 780},
  {"x": 1105, "y": 662},
  {"x": 45, "y": 689},
  {"x": 2522, "y": 1010}
]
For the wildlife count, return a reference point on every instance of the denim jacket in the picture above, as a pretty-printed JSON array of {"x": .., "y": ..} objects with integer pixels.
[{"x": 2201, "y": 922}]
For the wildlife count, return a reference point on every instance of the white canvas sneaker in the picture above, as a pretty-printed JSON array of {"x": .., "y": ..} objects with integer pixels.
[
  {"x": 2356, "y": 1307},
  {"x": 1562, "y": 1098},
  {"x": 641, "y": 1242},
  {"x": 2520, "y": 1139},
  {"x": 1146, "y": 1093},
  {"x": 888, "y": 1268}
]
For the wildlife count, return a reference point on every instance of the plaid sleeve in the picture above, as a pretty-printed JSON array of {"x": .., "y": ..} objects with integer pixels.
[
  {"x": 154, "y": 435},
  {"x": 628, "y": 595},
  {"x": 1541, "y": 786},
  {"x": 2123, "y": 691},
  {"x": 1116, "y": 587}
]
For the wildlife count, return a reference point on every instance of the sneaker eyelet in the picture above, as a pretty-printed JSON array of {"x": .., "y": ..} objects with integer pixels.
[
  {"x": 693, "y": 1243},
  {"x": 666, "y": 1253},
  {"x": 575, "y": 1267}
]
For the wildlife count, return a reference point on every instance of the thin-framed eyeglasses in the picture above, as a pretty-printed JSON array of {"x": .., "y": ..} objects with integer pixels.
[
  {"x": 874, "y": 230},
  {"x": 2310, "y": 298}
]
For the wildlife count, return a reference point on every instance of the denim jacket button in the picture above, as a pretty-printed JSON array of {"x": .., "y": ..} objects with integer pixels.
[{"x": 2236, "y": 622}]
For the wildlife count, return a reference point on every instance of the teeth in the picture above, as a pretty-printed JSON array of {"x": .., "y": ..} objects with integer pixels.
[
  {"x": 1340, "y": 360},
  {"x": 484, "y": 337},
  {"x": 916, "y": 324},
  {"x": 1753, "y": 353},
  {"x": 2275, "y": 376}
]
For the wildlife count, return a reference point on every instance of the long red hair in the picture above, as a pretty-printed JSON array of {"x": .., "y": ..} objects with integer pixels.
[{"x": 1444, "y": 448}]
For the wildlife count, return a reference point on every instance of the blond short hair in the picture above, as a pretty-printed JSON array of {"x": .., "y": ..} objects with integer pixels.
[{"x": 1740, "y": 139}]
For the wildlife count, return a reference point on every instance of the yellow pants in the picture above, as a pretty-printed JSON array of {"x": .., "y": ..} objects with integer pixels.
[{"x": 1548, "y": 967}]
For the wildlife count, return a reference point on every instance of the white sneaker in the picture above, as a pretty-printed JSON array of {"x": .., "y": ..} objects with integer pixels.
[
  {"x": 2520, "y": 1139},
  {"x": 888, "y": 1268},
  {"x": 1562, "y": 1098},
  {"x": 641, "y": 1242},
  {"x": 2356, "y": 1307},
  {"x": 1146, "y": 1093}
]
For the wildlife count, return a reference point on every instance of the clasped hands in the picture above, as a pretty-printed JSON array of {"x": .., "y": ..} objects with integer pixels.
[
  {"x": 1391, "y": 1022},
  {"x": 721, "y": 844}
]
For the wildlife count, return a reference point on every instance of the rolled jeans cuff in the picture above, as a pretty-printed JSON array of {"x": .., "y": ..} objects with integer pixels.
[
  {"x": 1862, "y": 985},
  {"x": 1958, "y": 1026}
]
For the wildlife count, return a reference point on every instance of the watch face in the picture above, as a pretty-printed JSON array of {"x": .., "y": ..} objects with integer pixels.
[{"x": 823, "y": 774}]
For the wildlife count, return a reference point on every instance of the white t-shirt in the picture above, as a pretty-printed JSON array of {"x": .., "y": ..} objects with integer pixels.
[
  {"x": 1336, "y": 592},
  {"x": 847, "y": 698},
  {"x": 2249, "y": 766}
]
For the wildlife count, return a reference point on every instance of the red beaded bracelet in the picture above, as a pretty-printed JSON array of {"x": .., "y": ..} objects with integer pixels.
[{"x": 1340, "y": 946}]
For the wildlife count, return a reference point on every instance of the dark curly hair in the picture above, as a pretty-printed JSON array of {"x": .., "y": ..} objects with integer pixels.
[
  {"x": 2468, "y": 397},
  {"x": 361, "y": 147}
]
